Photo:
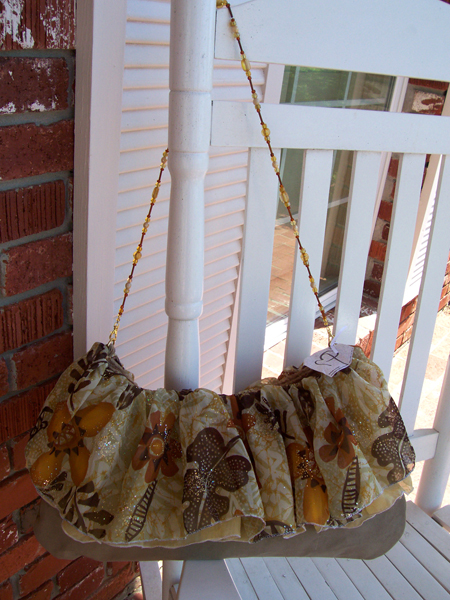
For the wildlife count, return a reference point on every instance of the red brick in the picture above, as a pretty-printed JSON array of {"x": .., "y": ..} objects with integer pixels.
[
  {"x": 33, "y": 264},
  {"x": 372, "y": 288},
  {"x": 398, "y": 342},
  {"x": 40, "y": 25},
  {"x": 4, "y": 462},
  {"x": 6, "y": 592},
  {"x": 33, "y": 84},
  {"x": 406, "y": 324},
  {"x": 408, "y": 309},
  {"x": 43, "y": 359},
  {"x": 23, "y": 553},
  {"x": 20, "y": 413},
  {"x": 385, "y": 211},
  {"x": 112, "y": 568},
  {"x": 393, "y": 167},
  {"x": 27, "y": 516},
  {"x": 29, "y": 149},
  {"x": 443, "y": 302},
  {"x": 8, "y": 534},
  {"x": 435, "y": 85},
  {"x": 16, "y": 491},
  {"x": 86, "y": 587},
  {"x": 4, "y": 385},
  {"x": 43, "y": 593},
  {"x": 385, "y": 232},
  {"x": 377, "y": 271},
  {"x": 377, "y": 250},
  {"x": 18, "y": 451},
  {"x": 407, "y": 335},
  {"x": 114, "y": 586},
  {"x": 40, "y": 571},
  {"x": 427, "y": 103},
  {"x": 76, "y": 571},
  {"x": 31, "y": 319},
  {"x": 365, "y": 344},
  {"x": 30, "y": 210}
]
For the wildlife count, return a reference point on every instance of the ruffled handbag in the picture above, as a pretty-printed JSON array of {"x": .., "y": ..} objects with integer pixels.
[{"x": 304, "y": 465}]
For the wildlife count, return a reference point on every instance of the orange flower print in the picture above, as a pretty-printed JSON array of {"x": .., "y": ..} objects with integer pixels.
[
  {"x": 157, "y": 448},
  {"x": 66, "y": 436},
  {"x": 301, "y": 462},
  {"x": 340, "y": 438}
]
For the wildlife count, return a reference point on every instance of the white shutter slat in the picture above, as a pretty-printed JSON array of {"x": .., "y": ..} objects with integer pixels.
[
  {"x": 401, "y": 232},
  {"x": 360, "y": 208},
  {"x": 226, "y": 222},
  {"x": 148, "y": 32},
  {"x": 317, "y": 165},
  {"x": 137, "y": 78},
  {"x": 138, "y": 55},
  {"x": 255, "y": 268},
  {"x": 237, "y": 124},
  {"x": 146, "y": 158},
  {"x": 427, "y": 305},
  {"x": 212, "y": 319},
  {"x": 142, "y": 9}
]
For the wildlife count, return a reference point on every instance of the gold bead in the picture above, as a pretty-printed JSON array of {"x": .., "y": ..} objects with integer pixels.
[
  {"x": 221, "y": 3},
  {"x": 245, "y": 65},
  {"x": 284, "y": 197},
  {"x": 265, "y": 131}
]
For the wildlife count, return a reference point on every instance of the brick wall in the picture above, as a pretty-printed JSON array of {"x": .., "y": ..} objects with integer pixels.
[
  {"x": 422, "y": 97},
  {"x": 37, "y": 62}
]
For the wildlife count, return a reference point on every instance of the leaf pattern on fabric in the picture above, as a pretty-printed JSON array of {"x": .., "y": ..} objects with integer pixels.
[
  {"x": 139, "y": 516},
  {"x": 394, "y": 447},
  {"x": 340, "y": 438},
  {"x": 352, "y": 485},
  {"x": 273, "y": 529},
  {"x": 127, "y": 396},
  {"x": 42, "y": 422},
  {"x": 215, "y": 470}
]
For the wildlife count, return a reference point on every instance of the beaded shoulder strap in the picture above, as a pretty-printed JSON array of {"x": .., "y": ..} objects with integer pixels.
[{"x": 282, "y": 191}]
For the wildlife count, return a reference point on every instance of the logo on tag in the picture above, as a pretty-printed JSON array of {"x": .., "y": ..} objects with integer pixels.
[{"x": 330, "y": 360}]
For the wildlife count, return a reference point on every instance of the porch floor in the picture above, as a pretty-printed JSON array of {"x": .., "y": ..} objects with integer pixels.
[{"x": 417, "y": 567}]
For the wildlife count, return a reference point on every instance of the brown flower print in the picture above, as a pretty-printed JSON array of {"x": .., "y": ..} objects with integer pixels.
[
  {"x": 157, "y": 448},
  {"x": 340, "y": 438},
  {"x": 66, "y": 436}
]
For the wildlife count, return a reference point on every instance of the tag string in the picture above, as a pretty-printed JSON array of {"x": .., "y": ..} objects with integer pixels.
[{"x": 284, "y": 197}]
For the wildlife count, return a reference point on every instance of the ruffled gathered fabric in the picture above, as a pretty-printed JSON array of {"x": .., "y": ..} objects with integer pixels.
[{"x": 129, "y": 466}]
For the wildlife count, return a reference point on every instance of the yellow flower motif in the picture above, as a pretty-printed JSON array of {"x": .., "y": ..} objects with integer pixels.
[{"x": 66, "y": 437}]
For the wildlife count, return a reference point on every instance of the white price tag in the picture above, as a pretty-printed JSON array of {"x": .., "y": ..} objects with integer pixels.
[{"x": 331, "y": 360}]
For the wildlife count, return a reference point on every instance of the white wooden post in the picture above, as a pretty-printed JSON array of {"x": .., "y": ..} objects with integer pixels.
[
  {"x": 191, "y": 65},
  {"x": 436, "y": 471},
  {"x": 98, "y": 98}
]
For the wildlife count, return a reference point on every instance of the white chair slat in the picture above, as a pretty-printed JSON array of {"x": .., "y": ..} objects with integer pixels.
[
  {"x": 255, "y": 268},
  {"x": 360, "y": 208},
  {"x": 429, "y": 296},
  {"x": 312, "y": 215},
  {"x": 401, "y": 233},
  {"x": 367, "y": 42},
  {"x": 236, "y": 124}
]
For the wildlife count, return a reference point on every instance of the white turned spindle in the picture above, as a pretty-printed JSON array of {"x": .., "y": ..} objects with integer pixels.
[
  {"x": 191, "y": 64},
  {"x": 436, "y": 471}
]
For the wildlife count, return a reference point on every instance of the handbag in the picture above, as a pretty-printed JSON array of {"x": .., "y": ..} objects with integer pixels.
[{"x": 313, "y": 463}]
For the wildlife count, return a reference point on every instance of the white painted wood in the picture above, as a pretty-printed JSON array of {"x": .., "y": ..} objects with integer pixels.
[
  {"x": 199, "y": 578},
  {"x": 191, "y": 64},
  {"x": 291, "y": 126},
  {"x": 432, "y": 560},
  {"x": 425, "y": 317},
  {"x": 317, "y": 166},
  {"x": 172, "y": 570},
  {"x": 436, "y": 471},
  {"x": 413, "y": 571},
  {"x": 428, "y": 528},
  {"x": 255, "y": 268},
  {"x": 337, "y": 579},
  {"x": 424, "y": 442},
  {"x": 100, "y": 56},
  {"x": 241, "y": 580},
  {"x": 285, "y": 578},
  {"x": 363, "y": 579},
  {"x": 311, "y": 579},
  {"x": 363, "y": 190},
  {"x": 423, "y": 223},
  {"x": 261, "y": 579},
  {"x": 442, "y": 516},
  {"x": 151, "y": 580},
  {"x": 376, "y": 32},
  {"x": 391, "y": 579},
  {"x": 274, "y": 81},
  {"x": 406, "y": 201}
]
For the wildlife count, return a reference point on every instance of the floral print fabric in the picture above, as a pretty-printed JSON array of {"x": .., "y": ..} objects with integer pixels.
[{"x": 130, "y": 466}]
